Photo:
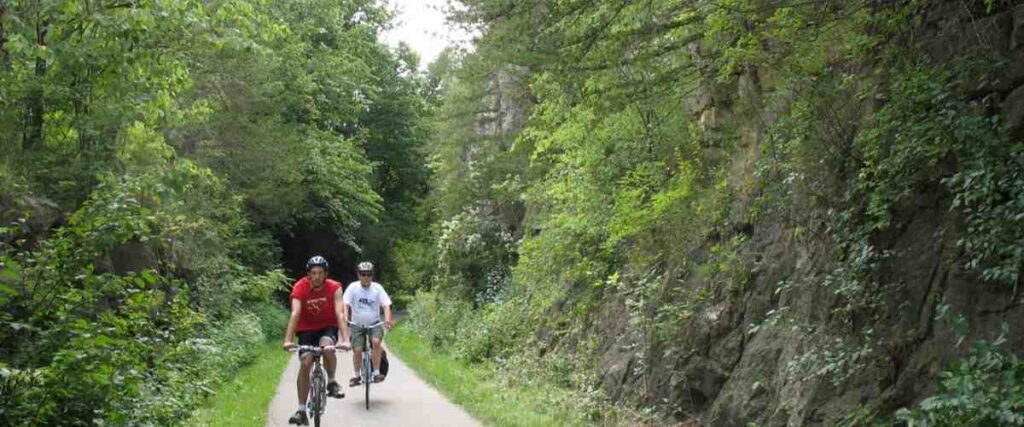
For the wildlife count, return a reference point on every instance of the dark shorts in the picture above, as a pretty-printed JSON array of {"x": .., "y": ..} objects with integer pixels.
[{"x": 313, "y": 337}]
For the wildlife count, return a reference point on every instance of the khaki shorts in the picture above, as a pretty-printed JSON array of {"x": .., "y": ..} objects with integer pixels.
[{"x": 359, "y": 333}]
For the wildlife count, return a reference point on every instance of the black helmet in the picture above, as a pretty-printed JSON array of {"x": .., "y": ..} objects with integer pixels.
[{"x": 316, "y": 261}]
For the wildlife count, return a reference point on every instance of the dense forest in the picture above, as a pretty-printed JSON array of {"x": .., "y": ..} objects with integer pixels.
[
  {"x": 159, "y": 160},
  {"x": 706, "y": 212}
]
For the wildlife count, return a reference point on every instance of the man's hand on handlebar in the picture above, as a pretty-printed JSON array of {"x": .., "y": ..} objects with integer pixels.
[
  {"x": 389, "y": 324},
  {"x": 290, "y": 346}
]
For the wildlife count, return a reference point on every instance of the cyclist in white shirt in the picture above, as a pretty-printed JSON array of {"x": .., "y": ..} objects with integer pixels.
[{"x": 363, "y": 302}]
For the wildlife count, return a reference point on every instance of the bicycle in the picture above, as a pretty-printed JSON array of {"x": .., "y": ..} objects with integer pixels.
[
  {"x": 366, "y": 373},
  {"x": 317, "y": 402}
]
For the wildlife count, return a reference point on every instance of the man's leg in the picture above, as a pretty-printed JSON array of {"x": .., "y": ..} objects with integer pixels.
[
  {"x": 303, "y": 380},
  {"x": 357, "y": 352},
  {"x": 356, "y": 340},
  {"x": 330, "y": 361},
  {"x": 302, "y": 386},
  {"x": 376, "y": 354},
  {"x": 357, "y": 359},
  {"x": 376, "y": 337}
]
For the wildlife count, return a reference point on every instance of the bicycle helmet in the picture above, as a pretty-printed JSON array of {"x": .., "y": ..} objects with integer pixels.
[
  {"x": 316, "y": 261},
  {"x": 365, "y": 266}
]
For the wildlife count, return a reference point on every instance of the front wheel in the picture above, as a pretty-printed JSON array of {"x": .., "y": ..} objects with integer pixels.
[
  {"x": 368, "y": 375},
  {"x": 318, "y": 394}
]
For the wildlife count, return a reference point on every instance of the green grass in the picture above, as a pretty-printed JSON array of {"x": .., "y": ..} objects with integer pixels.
[
  {"x": 243, "y": 400},
  {"x": 478, "y": 388}
]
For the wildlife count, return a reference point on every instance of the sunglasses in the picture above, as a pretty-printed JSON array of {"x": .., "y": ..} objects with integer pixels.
[{"x": 364, "y": 273}]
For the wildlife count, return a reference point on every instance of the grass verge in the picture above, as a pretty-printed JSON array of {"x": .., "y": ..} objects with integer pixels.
[
  {"x": 478, "y": 388},
  {"x": 243, "y": 400}
]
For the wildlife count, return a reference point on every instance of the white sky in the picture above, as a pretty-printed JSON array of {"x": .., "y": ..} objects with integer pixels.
[{"x": 421, "y": 25}]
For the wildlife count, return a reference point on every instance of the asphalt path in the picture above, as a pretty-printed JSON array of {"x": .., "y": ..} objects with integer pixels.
[{"x": 401, "y": 400}]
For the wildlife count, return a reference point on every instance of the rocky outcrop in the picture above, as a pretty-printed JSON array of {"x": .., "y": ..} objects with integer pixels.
[
  {"x": 508, "y": 109},
  {"x": 27, "y": 218},
  {"x": 953, "y": 32},
  {"x": 769, "y": 353}
]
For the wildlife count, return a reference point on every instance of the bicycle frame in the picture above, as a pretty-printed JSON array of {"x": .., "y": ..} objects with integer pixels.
[
  {"x": 366, "y": 373},
  {"x": 317, "y": 402}
]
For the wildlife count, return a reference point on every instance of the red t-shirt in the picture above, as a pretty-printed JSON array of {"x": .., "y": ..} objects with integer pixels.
[{"x": 317, "y": 306}]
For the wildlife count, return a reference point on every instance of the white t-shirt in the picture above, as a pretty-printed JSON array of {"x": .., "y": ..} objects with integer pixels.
[{"x": 366, "y": 302}]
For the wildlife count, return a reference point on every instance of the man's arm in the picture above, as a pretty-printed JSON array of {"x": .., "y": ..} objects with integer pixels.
[
  {"x": 387, "y": 316},
  {"x": 386, "y": 302},
  {"x": 339, "y": 311},
  {"x": 345, "y": 308},
  {"x": 293, "y": 320}
]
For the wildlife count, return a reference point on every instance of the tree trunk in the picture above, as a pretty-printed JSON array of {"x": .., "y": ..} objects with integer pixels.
[
  {"x": 34, "y": 102},
  {"x": 5, "y": 59}
]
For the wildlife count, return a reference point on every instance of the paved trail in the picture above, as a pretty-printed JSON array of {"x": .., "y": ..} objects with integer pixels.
[{"x": 401, "y": 400}]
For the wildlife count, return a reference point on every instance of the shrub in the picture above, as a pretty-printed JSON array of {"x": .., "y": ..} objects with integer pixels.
[{"x": 986, "y": 388}]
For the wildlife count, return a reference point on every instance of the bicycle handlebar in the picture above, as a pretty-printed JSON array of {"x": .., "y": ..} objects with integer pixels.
[
  {"x": 314, "y": 348},
  {"x": 366, "y": 326}
]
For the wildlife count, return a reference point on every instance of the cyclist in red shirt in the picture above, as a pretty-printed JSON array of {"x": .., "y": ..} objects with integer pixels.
[{"x": 318, "y": 317}]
